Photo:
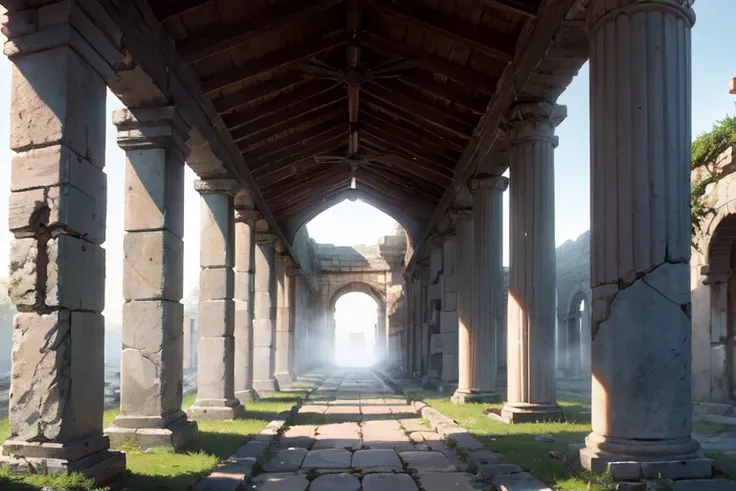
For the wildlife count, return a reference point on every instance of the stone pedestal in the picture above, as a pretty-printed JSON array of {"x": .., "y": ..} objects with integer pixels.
[
  {"x": 57, "y": 280},
  {"x": 640, "y": 236},
  {"x": 245, "y": 244},
  {"x": 532, "y": 307},
  {"x": 264, "y": 315},
  {"x": 151, "y": 368},
  {"x": 215, "y": 379},
  {"x": 285, "y": 271}
]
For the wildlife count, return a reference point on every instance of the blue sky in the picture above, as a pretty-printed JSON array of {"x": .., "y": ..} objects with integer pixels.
[{"x": 714, "y": 64}]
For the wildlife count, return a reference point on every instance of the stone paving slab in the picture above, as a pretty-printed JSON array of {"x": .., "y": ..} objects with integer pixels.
[
  {"x": 335, "y": 482},
  {"x": 298, "y": 436},
  {"x": 522, "y": 481},
  {"x": 383, "y": 460},
  {"x": 455, "y": 481},
  {"x": 327, "y": 459},
  {"x": 286, "y": 460},
  {"x": 389, "y": 482},
  {"x": 279, "y": 482},
  {"x": 427, "y": 461}
]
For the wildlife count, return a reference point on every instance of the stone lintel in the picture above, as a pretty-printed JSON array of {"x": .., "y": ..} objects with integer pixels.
[
  {"x": 713, "y": 275},
  {"x": 494, "y": 183},
  {"x": 601, "y": 10},
  {"x": 229, "y": 187},
  {"x": 246, "y": 215},
  {"x": 266, "y": 238},
  {"x": 151, "y": 127}
]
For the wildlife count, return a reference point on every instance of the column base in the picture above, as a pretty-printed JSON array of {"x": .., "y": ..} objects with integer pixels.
[
  {"x": 172, "y": 432},
  {"x": 216, "y": 409},
  {"x": 530, "y": 413},
  {"x": 464, "y": 396},
  {"x": 90, "y": 457},
  {"x": 284, "y": 380},
  {"x": 246, "y": 396},
  {"x": 269, "y": 385},
  {"x": 636, "y": 459}
]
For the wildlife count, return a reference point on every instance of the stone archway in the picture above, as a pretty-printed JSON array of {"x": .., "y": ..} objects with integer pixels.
[{"x": 575, "y": 337}]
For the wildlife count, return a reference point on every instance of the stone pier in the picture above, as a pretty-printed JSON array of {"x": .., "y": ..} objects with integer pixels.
[
  {"x": 151, "y": 366},
  {"x": 532, "y": 307},
  {"x": 245, "y": 244},
  {"x": 215, "y": 383},
  {"x": 57, "y": 264},
  {"x": 640, "y": 237},
  {"x": 283, "y": 370},
  {"x": 264, "y": 314}
]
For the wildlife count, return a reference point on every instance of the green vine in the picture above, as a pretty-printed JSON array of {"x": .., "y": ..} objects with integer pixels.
[{"x": 706, "y": 149}]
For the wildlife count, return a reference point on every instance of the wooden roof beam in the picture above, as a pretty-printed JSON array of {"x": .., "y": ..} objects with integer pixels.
[
  {"x": 325, "y": 177},
  {"x": 405, "y": 175},
  {"x": 407, "y": 168},
  {"x": 306, "y": 119},
  {"x": 407, "y": 135},
  {"x": 212, "y": 41},
  {"x": 293, "y": 141},
  {"x": 392, "y": 119},
  {"x": 316, "y": 198},
  {"x": 284, "y": 167},
  {"x": 300, "y": 150},
  {"x": 409, "y": 146},
  {"x": 407, "y": 92},
  {"x": 249, "y": 95},
  {"x": 495, "y": 45},
  {"x": 388, "y": 192},
  {"x": 387, "y": 147},
  {"x": 518, "y": 7},
  {"x": 389, "y": 47},
  {"x": 375, "y": 194},
  {"x": 410, "y": 186},
  {"x": 423, "y": 80},
  {"x": 287, "y": 56},
  {"x": 174, "y": 8}
]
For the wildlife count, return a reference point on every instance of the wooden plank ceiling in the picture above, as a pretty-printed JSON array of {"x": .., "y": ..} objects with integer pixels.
[{"x": 321, "y": 96}]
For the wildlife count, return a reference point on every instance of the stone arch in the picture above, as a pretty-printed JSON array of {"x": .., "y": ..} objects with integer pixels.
[
  {"x": 723, "y": 235},
  {"x": 358, "y": 287},
  {"x": 574, "y": 336}
]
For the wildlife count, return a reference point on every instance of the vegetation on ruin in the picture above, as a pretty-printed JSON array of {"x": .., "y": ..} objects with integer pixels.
[
  {"x": 165, "y": 470},
  {"x": 706, "y": 149}
]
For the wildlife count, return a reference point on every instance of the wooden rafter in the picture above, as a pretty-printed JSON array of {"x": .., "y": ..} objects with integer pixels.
[
  {"x": 291, "y": 189},
  {"x": 174, "y": 8},
  {"x": 275, "y": 138},
  {"x": 294, "y": 164},
  {"x": 429, "y": 166},
  {"x": 423, "y": 133},
  {"x": 403, "y": 206},
  {"x": 411, "y": 148},
  {"x": 354, "y": 23},
  {"x": 449, "y": 91},
  {"x": 210, "y": 42},
  {"x": 430, "y": 144},
  {"x": 249, "y": 95},
  {"x": 271, "y": 61},
  {"x": 297, "y": 140},
  {"x": 314, "y": 199},
  {"x": 388, "y": 47},
  {"x": 302, "y": 149},
  {"x": 408, "y": 174},
  {"x": 387, "y": 189},
  {"x": 513, "y": 7},
  {"x": 313, "y": 95},
  {"x": 408, "y": 185},
  {"x": 305, "y": 119},
  {"x": 495, "y": 45}
]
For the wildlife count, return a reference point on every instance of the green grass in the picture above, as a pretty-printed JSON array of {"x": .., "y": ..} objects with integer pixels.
[
  {"x": 163, "y": 470},
  {"x": 517, "y": 444}
]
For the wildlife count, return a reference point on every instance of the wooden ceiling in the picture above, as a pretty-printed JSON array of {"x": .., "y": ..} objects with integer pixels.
[{"x": 388, "y": 92}]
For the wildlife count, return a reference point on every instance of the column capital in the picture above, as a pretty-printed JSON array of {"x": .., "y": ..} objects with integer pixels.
[
  {"x": 458, "y": 215},
  {"x": 484, "y": 181},
  {"x": 600, "y": 10},
  {"x": 714, "y": 275},
  {"x": 535, "y": 121},
  {"x": 246, "y": 215},
  {"x": 151, "y": 127},
  {"x": 266, "y": 237},
  {"x": 217, "y": 186}
]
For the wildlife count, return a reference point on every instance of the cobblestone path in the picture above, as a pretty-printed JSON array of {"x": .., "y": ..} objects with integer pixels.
[{"x": 355, "y": 434}]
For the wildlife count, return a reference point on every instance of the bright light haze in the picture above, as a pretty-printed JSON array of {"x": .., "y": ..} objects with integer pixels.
[{"x": 714, "y": 64}]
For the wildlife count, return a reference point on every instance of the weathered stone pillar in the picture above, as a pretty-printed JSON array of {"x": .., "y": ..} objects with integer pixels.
[
  {"x": 57, "y": 264},
  {"x": 151, "y": 365},
  {"x": 640, "y": 71},
  {"x": 488, "y": 283},
  {"x": 532, "y": 307},
  {"x": 585, "y": 336},
  {"x": 215, "y": 369},
  {"x": 285, "y": 272},
  {"x": 264, "y": 314},
  {"x": 465, "y": 249},
  {"x": 245, "y": 245},
  {"x": 575, "y": 350}
]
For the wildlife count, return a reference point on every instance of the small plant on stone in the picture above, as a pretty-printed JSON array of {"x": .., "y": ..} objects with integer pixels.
[{"x": 311, "y": 475}]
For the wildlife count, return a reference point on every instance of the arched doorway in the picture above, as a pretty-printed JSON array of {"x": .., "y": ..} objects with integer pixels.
[{"x": 575, "y": 338}]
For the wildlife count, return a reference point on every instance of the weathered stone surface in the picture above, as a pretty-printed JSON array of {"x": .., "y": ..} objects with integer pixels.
[
  {"x": 376, "y": 460},
  {"x": 456, "y": 481},
  {"x": 522, "y": 481},
  {"x": 216, "y": 318},
  {"x": 493, "y": 470},
  {"x": 298, "y": 436},
  {"x": 286, "y": 460},
  {"x": 281, "y": 482},
  {"x": 75, "y": 274},
  {"x": 482, "y": 457},
  {"x": 704, "y": 485},
  {"x": 687, "y": 469},
  {"x": 625, "y": 471},
  {"x": 427, "y": 461},
  {"x": 385, "y": 482},
  {"x": 327, "y": 459},
  {"x": 335, "y": 482}
]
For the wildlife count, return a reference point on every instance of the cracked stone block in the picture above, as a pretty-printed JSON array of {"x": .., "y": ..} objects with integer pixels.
[
  {"x": 24, "y": 283},
  {"x": 427, "y": 461},
  {"x": 152, "y": 357},
  {"x": 68, "y": 108},
  {"x": 216, "y": 283},
  {"x": 327, "y": 459},
  {"x": 482, "y": 457},
  {"x": 263, "y": 331},
  {"x": 289, "y": 459},
  {"x": 27, "y": 210},
  {"x": 216, "y": 217},
  {"x": 386, "y": 482},
  {"x": 298, "y": 436},
  {"x": 214, "y": 373},
  {"x": 522, "y": 481},
  {"x": 75, "y": 274},
  {"x": 154, "y": 191},
  {"x": 376, "y": 460},
  {"x": 153, "y": 266},
  {"x": 335, "y": 482},
  {"x": 280, "y": 482},
  {"x": 216, "y": 318},
  {"x": 456, "y": 481},
  {"x": 58, "y": 376}
]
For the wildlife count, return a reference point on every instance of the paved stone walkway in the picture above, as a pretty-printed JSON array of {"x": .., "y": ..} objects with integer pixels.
[{"x": 355, "y": 434}]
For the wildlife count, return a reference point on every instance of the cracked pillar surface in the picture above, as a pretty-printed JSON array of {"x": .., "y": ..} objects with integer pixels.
[
  {"x": 245, "y": 245},
  {"x": 532, "y": 308},
  {"x": 285, "y": 276},
  {"x": 487, "y": 284},
  {"x": 465, "y": 250},
  {"x": 57, "y": 265},
  {"x": 215, "y": 369},
  {"x": 151, "y": 364},
  {"x": 264, "y": 314},
  {"x": 640, "y": 93}
]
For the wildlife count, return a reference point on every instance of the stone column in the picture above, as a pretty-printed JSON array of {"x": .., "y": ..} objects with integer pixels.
[
  {"x": 585, "y": 336},
  {"x": 245, "y": 244},
  {"x": 57, "y": 264},
  {"x": 575, "y": 349},
  {"x": 215, "y": 368},
  {"x": 532, "y": 307},
  {"x": 285, "y": 272},
  {"x": 264, "y": 314},
  {"x": 465, "y": 250},
  {"x": 151, "y": 365},
  {"x": 488, "y": 283},
  {"x": 640, "y": 69}
]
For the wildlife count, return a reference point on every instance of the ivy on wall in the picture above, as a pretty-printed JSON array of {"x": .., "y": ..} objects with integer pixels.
[{"x": 706, "y": 149}]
